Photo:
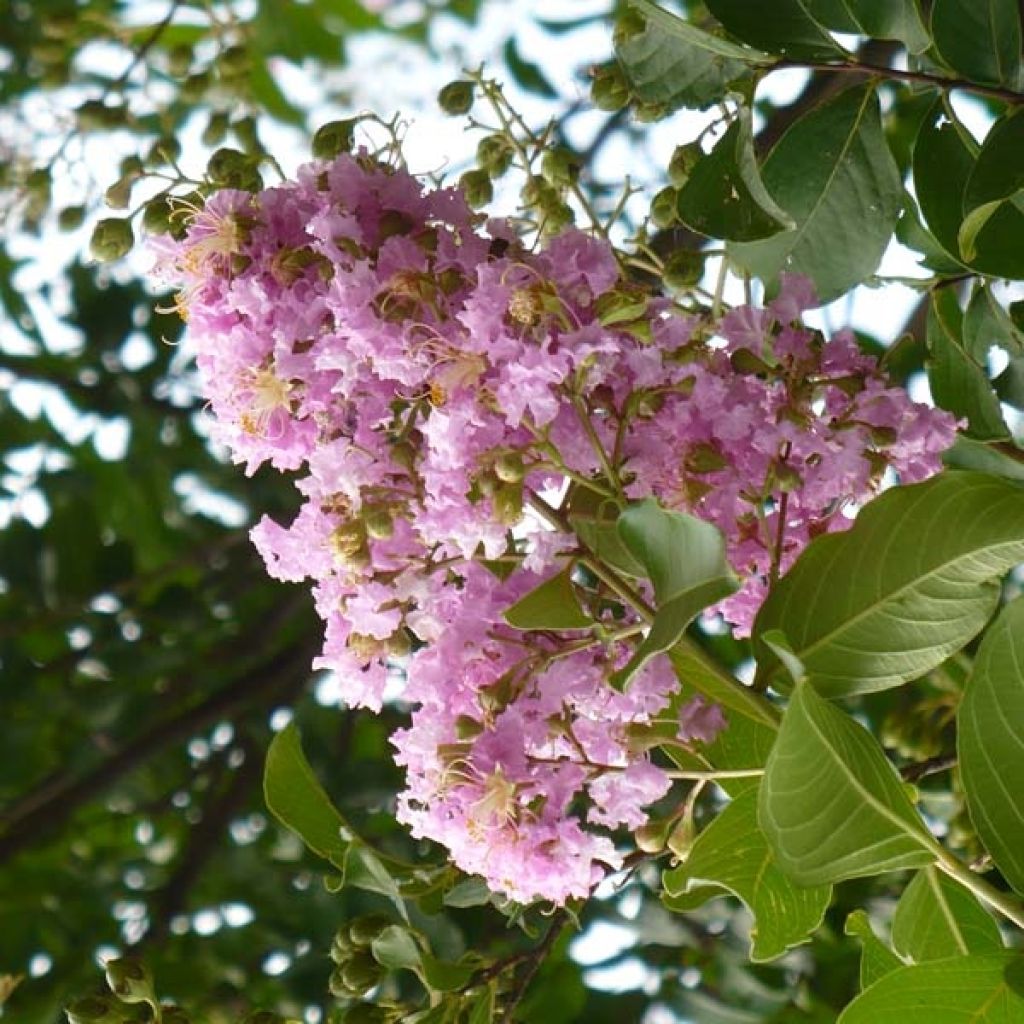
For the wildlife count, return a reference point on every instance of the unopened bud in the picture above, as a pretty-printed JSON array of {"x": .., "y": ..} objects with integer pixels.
[
  {"x": 334, "y": 138},
  {"x": 156, "y": 215},
  {"x": 509, "y": 468},
  {"x": 456, "y": 98},
  {"x": 119, "y": 195},
  {"x": 494, "y": 154},
  {"x": 367, "y": 1013},
  {"x": 628, "y": 25},
  {"x": 216, "y": 129},
  {"x": 361, "y": 973},
  {"x": 363, "y": 930},
  {"x": 111, "y": 239},
  {"x": 129, "y": 979},
  {"x": 683, "y": 269},
  {"x": 95, "y": 1010},
  {"x": 651, "y": 836},
  {"x": 477, "y": 188},
  {"x": 179, "y": 59},
  {"x": 684, "y": 158},
  {"x": 194, "y": 87},
  {"x": 71, "y": 218},
  {"x": 681, "y": 839},
  {"x": 508, "y": 503},
  {"x": 609, "y": 90},
  {"x": 560, "y": 167},
  {"x": 235, "y": 60},
  {"x": 663, "y": 208}
]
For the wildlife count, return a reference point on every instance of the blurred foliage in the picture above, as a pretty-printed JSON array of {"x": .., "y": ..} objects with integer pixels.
[{"x": 146, "y": 658}]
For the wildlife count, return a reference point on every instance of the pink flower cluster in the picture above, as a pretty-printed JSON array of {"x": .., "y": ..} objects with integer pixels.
[{"x": 436, "y": 385}]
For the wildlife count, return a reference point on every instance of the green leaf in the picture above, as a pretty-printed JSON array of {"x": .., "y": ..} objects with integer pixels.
[
  {"x": 552, "y": 605},
  {"x": 832, "y": 172},
  {"x": 483, "y": 1008},
  {"x": 685, "y": 560},
  {"x": 979, "y": 38},
  {"x": 879, "y": 19},
  {"x": 298, "y": 801},
  {"x": 876, "y": 958},
  {"x": 831, "y": 805},
  {"x": 985, "y": 458},
  {"x": 732, "y": 853},
  {"x": 791, "y": 30},
  {"x": 937, "y": 917},
  {"x": 724, "y": 196},
  {"x": 993, "y": 201},
  {"x": 959, "y": 383},
  {"x": 525, "y": 73},
  {"x": 912, "y": 581},
  {"x": 594, "y": 519},
  {"x": 985, "y": 989},
  {"x": 990, "y": 742},
  {"x": 675, "y": 63},
  {"x": 943, "y": 159},
  {"x": 396, "y": 949},
  {"x": 987, "y": 323}
]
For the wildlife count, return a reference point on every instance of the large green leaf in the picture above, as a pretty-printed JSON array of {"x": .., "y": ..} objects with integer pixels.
[
  {"x": 724, "y": 196},
  {"x": 959, "y": 381},
  {"x": 879, "y": 19},
  {"x": 685, "y": 560},
  {"x": 937, "y": 917},
  {"x": 732, "y": 853},
  {"x": 552, "y": 605},
  {"x": 831, "y": 805},
  {"x": 791, "y": 30},
  {"x": 832, "y": 172},
  {"x": 943, "y": 160},
  {"x": 912, "y": 581},
  {"x": 985, "y": 989},
  {"x": 990, "y": 740},
  {"x": 296, "y": 798},
  {"x": 675, "y": 63},
  {"x": 993, "y": 201},
  {"x": 876, "y": 958},
  {"x": 979, "y": 38}
]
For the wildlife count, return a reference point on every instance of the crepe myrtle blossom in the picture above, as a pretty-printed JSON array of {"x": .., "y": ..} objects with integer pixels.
[{"x": 427, "y": 376}]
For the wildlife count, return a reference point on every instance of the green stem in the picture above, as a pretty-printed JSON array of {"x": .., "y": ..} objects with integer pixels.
[
  {"x": 998, "y": 900},
  {"x": 738, "y": 773}
]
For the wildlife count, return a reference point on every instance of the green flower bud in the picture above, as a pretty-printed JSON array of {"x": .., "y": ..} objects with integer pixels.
[
  {"x": 179, "y": 60},
  {"x": 619, "y": 306},
  {"x": 119, "y": 195},
  {"x": 557, "y": 218},
  {"x": 494, "y": 154},
  {"x": 682, "y": 837},
  {"x": 71, "y": 218},
  {"x": 130, "y": 979},
  {"x": 59, "y": 24},
  {"x": 111, "y": 239},
  {"x": 95, "y": 1010},
  {"x": 787, "y": 477},
  {"x": 48, "y": 51},
  {"x": 334, "y": 138},
  {"x": 156, "y": 216},
  {"x": 367, "y": 1013},
  {"x": 194, "y": 87},
  {"x": 379, "y": 524},
  {"x": 609, "y": 90},
  {"x": 684, "y": 158},
  {"x": 336, "y": 985},
  {"x": 235, "y": 60},
  {"x": 226, "y": 163},
  {"x": 363, "y": 930},
  {"x": 508, "y": 503},
  {"x": 663, "y": 208},
  {"x": 509, "y": 468},
  {"x": 456, "y": 98},
  {"x": 165, "y": 150},
  {"x": 651, "y": 836},
  {"x": 560, "y": 167},
  {"x": 94, "y": 115},
  {"x": 683, "y": 269},
  {"x": 476, "y": 187},
  {"x": 704, "y": 458},
  {"x": 247, "y": 133},
  {"x": 361, "y": 973},
  {"x": 216, "y": 129},
  {"x": 649, "y": 112}
]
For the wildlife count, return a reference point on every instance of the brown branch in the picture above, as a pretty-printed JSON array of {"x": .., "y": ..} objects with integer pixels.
[
  {"x": 50, "y": 805},
  {"x": 533, "y": 959},
  {"x": 932, "y": 766}
]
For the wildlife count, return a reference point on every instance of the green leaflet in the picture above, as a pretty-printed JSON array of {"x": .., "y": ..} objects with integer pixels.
[
  {"x": 832, "y": 172},
  {"x": 732, "y": 853},
  {"x": 912, "y": 581},
  {"x": 990, "y": 741},
  {"x": 830, "y": 804}
]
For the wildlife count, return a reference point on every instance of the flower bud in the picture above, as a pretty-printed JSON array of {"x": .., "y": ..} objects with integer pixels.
[
  {"x": 366, "y": 1013},
  {"x": 379, "y": 524},
  {"x": 360, "y": 974},
  {"x": 71, "y": 218},
  {"x": 363, "y": 930},
  {"x": 684, "y": 158},
  {"x": 226, "y": 163},
  {"x": 216, "y": 129},
  {"x": 704, "y": 458},
  {"x": 119, "y": 195},
  {"x": 334, "y": 138},
  {"x": 95, "y": 1010},
  {"x": 494, "y": 154},
  {"x": 111, "y": 239},
  {"x": 509, "y": 468},
  {"x": 165, "y": 150},
  {"x": 628, "y": 25},
  {"x": 456, "y": 98},
  {"x": 476, "y": 187},
  {"x": 194, "y": 87},
  {"x": 508, "y": 503},
  {"x": 609, "y": 91},
  {"x": 130, "y": 979},
  {"x": 235, "y": 60},
  {"x": 663, "y": 208},
  {"x": 156, "y": 215},
  {"x": 651, "y": 836},
  {"x": 559, "y": 167},
  {"x": 681, "y": 839},
  {"x": 648, "y": 112},
  {"x": 683, "y": 269}
]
